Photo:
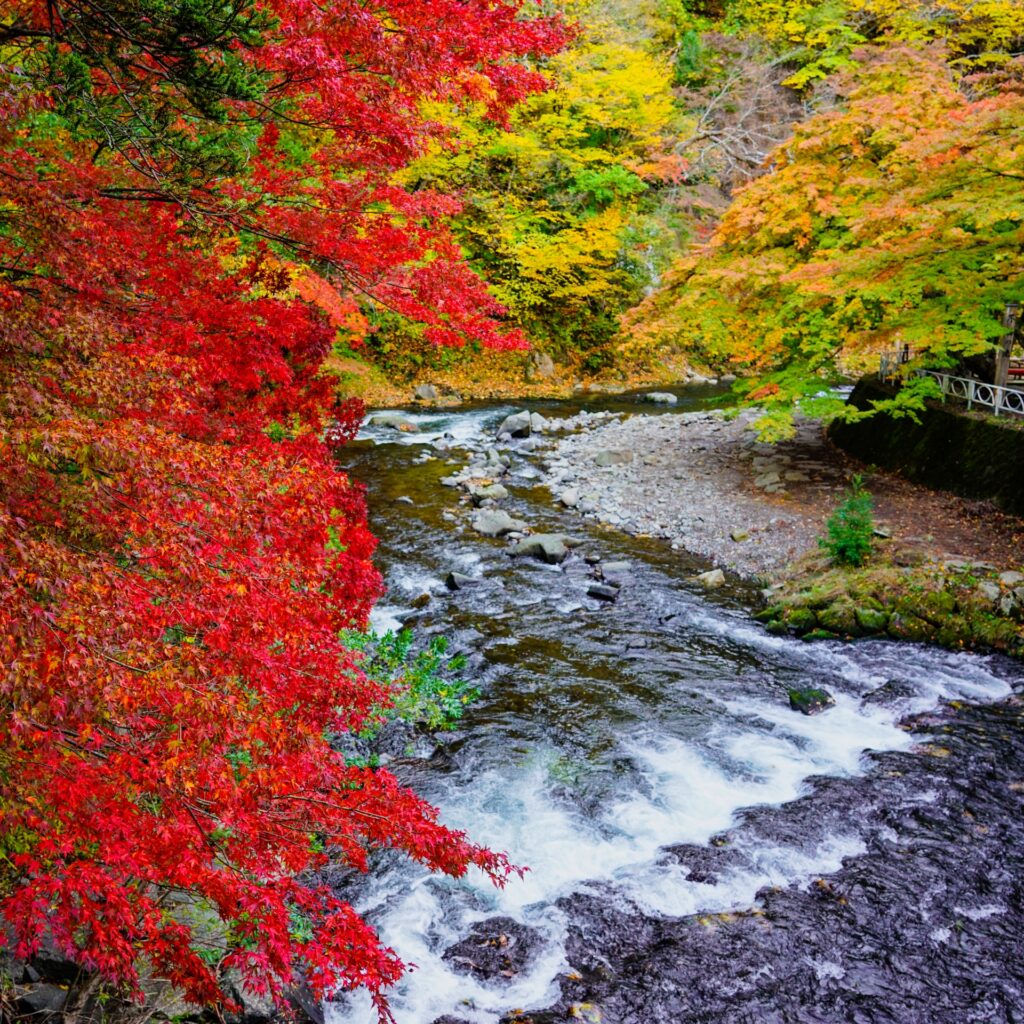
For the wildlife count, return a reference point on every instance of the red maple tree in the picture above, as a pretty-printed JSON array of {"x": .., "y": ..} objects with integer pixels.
[{"x": 178, "y": 550}]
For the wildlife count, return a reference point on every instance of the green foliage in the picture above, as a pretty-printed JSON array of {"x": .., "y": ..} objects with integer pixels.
[
  {"x": 850, "y": 528},
  {"x": 427, "y": 690},
  {"x": 564, "y": 206},
  {"x": 897, "y": 218}
]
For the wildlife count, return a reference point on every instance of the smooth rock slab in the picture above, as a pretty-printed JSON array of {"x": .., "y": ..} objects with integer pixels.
[{"x": 661, "y": 397}]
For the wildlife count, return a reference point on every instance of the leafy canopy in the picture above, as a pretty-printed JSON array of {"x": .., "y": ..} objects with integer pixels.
[{"x": 896, "y": 218}]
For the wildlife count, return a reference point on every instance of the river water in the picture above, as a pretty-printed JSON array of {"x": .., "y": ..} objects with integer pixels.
[{"x": 697, "y": 851}]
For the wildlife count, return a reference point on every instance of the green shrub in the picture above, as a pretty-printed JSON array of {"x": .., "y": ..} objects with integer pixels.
[
  {"x": 426, "y": 690},
  {"x": 850, "y": 528}
]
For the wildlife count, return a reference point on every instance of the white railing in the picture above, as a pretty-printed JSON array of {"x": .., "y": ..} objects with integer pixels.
[{"x": 975, "y": 392}]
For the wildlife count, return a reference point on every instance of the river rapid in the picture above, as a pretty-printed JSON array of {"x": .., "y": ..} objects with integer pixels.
[{"x": 697, "y": 850}]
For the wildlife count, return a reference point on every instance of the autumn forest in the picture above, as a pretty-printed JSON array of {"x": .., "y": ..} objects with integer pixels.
[{"x": 227, "y": 227}]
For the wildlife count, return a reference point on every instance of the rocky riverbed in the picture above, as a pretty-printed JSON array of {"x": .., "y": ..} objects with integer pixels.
[{"x": 705, "y": 483}]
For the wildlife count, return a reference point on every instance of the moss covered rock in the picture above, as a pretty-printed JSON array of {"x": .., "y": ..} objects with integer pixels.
[
  {"x": 841, "y": 618},
  {"x": 905, "y": 626},
  {"x": 800, "y": 620},
  {"x": 871, "y": 620},
  {"x": 810, "y": 700}
]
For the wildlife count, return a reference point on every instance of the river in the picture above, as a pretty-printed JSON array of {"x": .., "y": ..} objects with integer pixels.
[{"x": 697, "y": 850}]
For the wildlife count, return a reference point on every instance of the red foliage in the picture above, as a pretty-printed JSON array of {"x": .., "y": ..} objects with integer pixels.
[{"x": 178, "y": 551}]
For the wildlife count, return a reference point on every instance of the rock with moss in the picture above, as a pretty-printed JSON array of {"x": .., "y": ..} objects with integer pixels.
[
  {"x": 904, "y": 625},
  {"x": 810, "y": 700},
  {"x": 800, "y": 620},
  {"x": 840, "y": 617},
  {"x": 820, "y": 634},
  {"x": 871, "y": 620}
]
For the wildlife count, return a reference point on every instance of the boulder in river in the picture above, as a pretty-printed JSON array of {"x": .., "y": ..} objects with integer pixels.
[
  {"x": 457, "y": 580},
  {"x": 570, "y": 497},
  {"x": 603, "y": 592},
  {"x": 394, "y": 420},
  {"x": 710, "y": 580},
  {"x": 495, "y": 522},
  {"x": 661, "y": 397},
  {"x": 810, "y": 700},
  {"x": 550, "y": 547},
  {"x": 516, "y": 425},
  {"x": 500, "y": 948},
  {"x": 538, "y": 424}
]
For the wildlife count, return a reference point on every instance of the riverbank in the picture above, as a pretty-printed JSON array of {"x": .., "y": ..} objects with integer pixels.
[
  {"x": 943, "y": 568},
  {"x": 451, "y": 377}
]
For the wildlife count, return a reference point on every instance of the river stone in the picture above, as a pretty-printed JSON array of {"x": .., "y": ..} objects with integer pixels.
[
  {"x": 500, "y": 948},
  {"x": 537, "y": 423},
  {"x": 603, "y": 592},
  {"x": 394, "y": 420},
  {"x": 905, "y": 626},
  {"x": 810, "y": 700},
  {"x": 495, "y": 522},
  {"x": 516, "y": 425},
  {"x": 661, "y": 397},
  {"x": 609, "y": 457},
  {"x": 739, "y": 535},
  {"x": 426, "y": 393},
  {"x": 404, "y": 499},
  {"x": 570, "y": 497},
  {"x": 839, "y": 618},
  {"x": 800, "y": 620},
  {"x": 616, "y": 567},
  {"x": 711, "y": 580},
  {"x": 550, "y": 547},
  {"x": 495, "y": 492},
  {"x": 457, "y": 580}
]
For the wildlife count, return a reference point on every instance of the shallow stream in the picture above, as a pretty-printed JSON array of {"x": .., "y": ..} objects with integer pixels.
[{"x": 697, "y": 850}]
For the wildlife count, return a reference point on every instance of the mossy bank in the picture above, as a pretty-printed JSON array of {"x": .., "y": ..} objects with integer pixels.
[{"x": 955, "y": 604}]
